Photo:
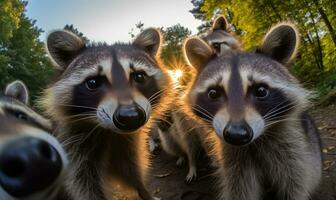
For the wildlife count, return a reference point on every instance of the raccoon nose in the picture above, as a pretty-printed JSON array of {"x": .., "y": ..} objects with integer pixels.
[
  {"x": 238, "y": 133},
  {"x": 27, "y": 166},
  {"x": 129, "y": 117}
]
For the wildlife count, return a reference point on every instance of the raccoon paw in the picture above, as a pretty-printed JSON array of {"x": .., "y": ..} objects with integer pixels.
[
  {"x": 157, "y": 198},
  {"x": 180, "y": 161},
  {"x": 192, "y": 175}
]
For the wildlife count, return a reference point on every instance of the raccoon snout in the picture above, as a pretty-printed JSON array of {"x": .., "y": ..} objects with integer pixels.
[
  {"x": 238, "y": 133},
  {"x": 28, "y": 165},
  {"x": 129, "y": 117}
]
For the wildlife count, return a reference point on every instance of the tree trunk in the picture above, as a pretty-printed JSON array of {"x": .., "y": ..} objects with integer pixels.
[
  {"x": 319, "y": 47},
  {"x": 326, "y": 21}
]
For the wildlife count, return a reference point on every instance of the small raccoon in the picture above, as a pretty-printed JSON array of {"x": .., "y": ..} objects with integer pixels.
[
  {"x": 220, "y": 38},
  {"x": 103, "y": 104},
  {"x": 32, "y": 162},
  {"x": 268, "y": 146},
  {"x": 182, "y": 140}
]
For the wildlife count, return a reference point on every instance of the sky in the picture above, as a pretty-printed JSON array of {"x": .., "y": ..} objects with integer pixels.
[{"x": 110, "y": 20}]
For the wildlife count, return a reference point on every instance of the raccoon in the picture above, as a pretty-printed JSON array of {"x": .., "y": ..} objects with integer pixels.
[
  {"x": 103, "y": 104},
  {"x": 32, "y": 162},
  {"x": 186, "y": 134},
  {"x": 267, "y": 144},
  {"x": 182, "y": 140},
  {"x": 220, "y": 38}
]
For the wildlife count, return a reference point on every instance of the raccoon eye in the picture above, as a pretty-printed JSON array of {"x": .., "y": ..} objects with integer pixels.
[
  {"x": 214, "y": 93},
  {"x": 93, "y": 84},
  {"x": 261, "y": 91},
  {"x": 216, "y": 45},
  {"x": 139, "y": 77},
  {"x": 21, "y": 116}
]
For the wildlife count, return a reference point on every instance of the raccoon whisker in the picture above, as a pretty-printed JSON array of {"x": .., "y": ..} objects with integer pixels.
[
  {"x": 77, "y": 106},
  {"x": 80, "y": 115},
  {"x": 71, "y": 140},
  {"x": 281, "y": 120},
  {"x": 205, "y": 110},
  {"x": 275, "y": 107},
  {"x": 89, "y": 134},
  {"x": 160, "y": 120},
  {"x": 201, "y": 112},
  {"x": 156, "y": 94},
  {"x": 289, "y": 106},
  {"x": 282, "y": 111},
  {"x": 81, "y": 119},
  {"x": 197, "y": 127}
]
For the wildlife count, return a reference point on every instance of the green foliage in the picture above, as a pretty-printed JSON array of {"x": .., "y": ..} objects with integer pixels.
[
  {"x": 10, "y": 13},
  {"x": 173, "y": 41},
  {"x": 22, "y": 54},
  {"x": 315, "y": 19}
]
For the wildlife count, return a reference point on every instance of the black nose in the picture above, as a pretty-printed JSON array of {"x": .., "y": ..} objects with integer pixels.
[
  {"x": 129, "y": 117},
  {"x": 238, "y": 133},
  {"x": 28, "y": 165}
]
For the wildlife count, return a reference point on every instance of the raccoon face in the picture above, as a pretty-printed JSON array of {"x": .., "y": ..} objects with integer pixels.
[
  {"x": 219, "y": 37},
  {"x": 114, "y": 87},
  {"x": 32, "y": 162},
  {"x": 242, "y": 95}
]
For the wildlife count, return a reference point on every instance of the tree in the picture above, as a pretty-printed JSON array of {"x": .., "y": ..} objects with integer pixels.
[
  {"x": 10, "y": 13},
  {"x": 315, "y": 20},
  {"x": 173, "y": 40},
  {"x": 22, "y": 55}
]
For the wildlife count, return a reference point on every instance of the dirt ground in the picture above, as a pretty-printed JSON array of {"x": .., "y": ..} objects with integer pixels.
[{"x": 167, "y": 181}]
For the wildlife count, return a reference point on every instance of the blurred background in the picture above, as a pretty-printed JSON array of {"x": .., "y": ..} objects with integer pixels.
[{"x": 25, "y": 24}]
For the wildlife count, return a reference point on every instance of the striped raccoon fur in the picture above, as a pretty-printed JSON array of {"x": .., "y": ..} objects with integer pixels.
[
  {"x": 32, "y": 162},
  {"x": 220, "y": 38},
  {"x": 267, "y": 144},
  {"x": 103, "y": 104}
]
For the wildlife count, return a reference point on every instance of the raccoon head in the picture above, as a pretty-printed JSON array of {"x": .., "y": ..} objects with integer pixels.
[
  {"x": 32, "y": 162},
  {"x": 244, "y": 95},
  {"x": 114, "y": 87},
  {"x": 219, "y": 38}
]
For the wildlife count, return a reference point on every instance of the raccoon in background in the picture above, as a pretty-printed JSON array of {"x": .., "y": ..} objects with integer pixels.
[
  {"x": 220, "y": 38},
  {"x": 268, "y": 146},
  {"x": 32, "y": 162},
  {"x": 182, "y": 140},
  {"x": 185, "y": 137},
  {"x": 103, "y": 104}
]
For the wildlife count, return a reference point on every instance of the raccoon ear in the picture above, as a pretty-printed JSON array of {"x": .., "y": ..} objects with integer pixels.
[
  {"x": 280, "y": 43},
  {"x": 149, "y": 40},
  {"x": 197, "y": 52},
  {"x": 17, "y": 90},
  {"x": 220, "y": 23},
  {"x": 63, "y": 47}
]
